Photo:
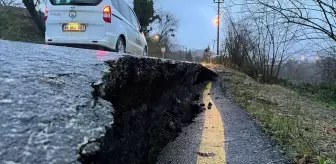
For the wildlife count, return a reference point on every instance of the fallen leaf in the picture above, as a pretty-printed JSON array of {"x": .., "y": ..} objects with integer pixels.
[{"x": 206, "y": 154}]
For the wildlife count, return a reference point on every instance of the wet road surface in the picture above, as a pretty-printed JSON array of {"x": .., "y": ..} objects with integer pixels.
[
  {"x": 47, "y": 112},
  {"x": 46, "y": 109},
  {"x": 223, "y": 134},
  {"x": 51, "y": 107}
]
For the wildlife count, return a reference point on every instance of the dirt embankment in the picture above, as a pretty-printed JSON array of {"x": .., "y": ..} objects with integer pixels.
[{"x": 152, "y": 100}]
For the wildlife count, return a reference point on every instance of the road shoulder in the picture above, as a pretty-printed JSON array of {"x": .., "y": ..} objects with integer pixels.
[{"x": 222, "y": 134}]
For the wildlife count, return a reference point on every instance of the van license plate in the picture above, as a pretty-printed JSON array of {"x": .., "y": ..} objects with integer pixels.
[{"x": 77, "y": 27}]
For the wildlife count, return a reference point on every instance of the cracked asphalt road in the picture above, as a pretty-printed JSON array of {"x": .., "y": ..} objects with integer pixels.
[
  {"x": 46, "y": 113},
  {"x": 223, "y": 134},
  {"x": 52, "y": 108},
  {"x": 46, "y": 109}
]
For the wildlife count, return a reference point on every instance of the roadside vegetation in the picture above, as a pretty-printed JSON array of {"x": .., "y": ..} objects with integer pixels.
[
  {"x": 16, "y": 25},
  {"x": 302, "y": 125},
  {"x": 322, "y": 92},
  {"x": 265, "y": 68}
]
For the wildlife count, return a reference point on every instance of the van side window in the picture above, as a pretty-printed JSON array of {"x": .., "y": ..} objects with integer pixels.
[
  {"x": 135, "y": 22},
  {"x": 124, "y": 10},
  {"x": 70, "y": 2},
  {"x": 132, "y": 19},
  {"x": 115, "y": 3}
]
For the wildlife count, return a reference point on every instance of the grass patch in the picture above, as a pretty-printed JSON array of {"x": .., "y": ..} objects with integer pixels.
[
  {"x": 324, "y": 93},
  {"x": 303, "y": 127},
  {"x": 16, "y": 25}
]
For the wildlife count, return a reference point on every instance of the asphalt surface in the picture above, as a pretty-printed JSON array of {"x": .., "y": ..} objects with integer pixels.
[
  {"x": 47, "y": 113},
  {"x": 240, "y": 139},
  {"x": 46, "y": 106},
  {"x": 52, "y": 108}
]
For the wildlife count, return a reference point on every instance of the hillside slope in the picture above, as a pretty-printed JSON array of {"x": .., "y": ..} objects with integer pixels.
[
  {"x": 16, "y": 25},
  {"x": 303, "y": 126}
]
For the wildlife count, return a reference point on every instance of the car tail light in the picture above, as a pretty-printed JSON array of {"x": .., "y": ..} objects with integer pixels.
[
  {"x": 107, "y": 12},
  {"x": 45, "y": 13}
]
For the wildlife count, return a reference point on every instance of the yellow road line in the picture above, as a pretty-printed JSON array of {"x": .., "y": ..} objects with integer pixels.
[{"x": 212, "y": 148}]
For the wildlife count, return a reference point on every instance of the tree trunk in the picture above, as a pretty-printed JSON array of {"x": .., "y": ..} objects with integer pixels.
[{"x": 30, "y": 5}]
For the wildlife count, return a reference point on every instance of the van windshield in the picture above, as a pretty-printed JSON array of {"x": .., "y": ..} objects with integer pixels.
[{"x": 76, "y": 2}]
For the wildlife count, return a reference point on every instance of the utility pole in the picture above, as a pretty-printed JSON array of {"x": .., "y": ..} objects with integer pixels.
[
  {"x": 213, "y": 47},
  {"x": 218, "y": 21},
  {"x": 186, "y": 51}
]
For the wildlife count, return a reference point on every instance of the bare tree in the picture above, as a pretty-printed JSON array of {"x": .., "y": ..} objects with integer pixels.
[
  {"x": 12, "y": 3},
  {"x": 167, "y": 26},
  {"x": 328, "y": 69},
  {"x": 257, "y": 44},
  {"x": 315, "y": 17},
  {"x": 31, "y": 6},
  {"x": 7, "y": 3}
]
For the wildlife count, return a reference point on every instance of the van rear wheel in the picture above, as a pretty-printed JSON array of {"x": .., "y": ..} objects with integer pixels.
[{"x": 120, "y": 47}]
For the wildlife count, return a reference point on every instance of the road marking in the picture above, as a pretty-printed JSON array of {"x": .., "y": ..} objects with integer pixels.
[{"x": 213, "y": 133}]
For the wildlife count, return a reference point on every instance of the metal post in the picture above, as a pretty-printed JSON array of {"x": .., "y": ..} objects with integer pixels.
[
  {"x": 163, "y": 50},
  {"x": 184, "y": 56},
  {"x": 218, "y": 17}
]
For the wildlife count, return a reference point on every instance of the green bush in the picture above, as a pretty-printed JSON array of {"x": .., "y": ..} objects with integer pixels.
[
  {"x": 324, "y": 92},
  {"x": 16, "y": 27}
]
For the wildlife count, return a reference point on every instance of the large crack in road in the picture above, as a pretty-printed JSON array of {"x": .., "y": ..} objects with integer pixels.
[{"x": 62, "y": 105}]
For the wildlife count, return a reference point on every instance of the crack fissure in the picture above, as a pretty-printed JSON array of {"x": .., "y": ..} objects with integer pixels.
[{"x": 152, "y": 101}]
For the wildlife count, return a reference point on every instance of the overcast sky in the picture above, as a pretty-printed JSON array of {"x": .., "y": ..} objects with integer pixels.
[{"x": 196, "y": 29}]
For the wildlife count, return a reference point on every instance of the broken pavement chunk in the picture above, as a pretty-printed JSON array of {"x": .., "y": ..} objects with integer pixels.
[{"x": 209, "y": 105}]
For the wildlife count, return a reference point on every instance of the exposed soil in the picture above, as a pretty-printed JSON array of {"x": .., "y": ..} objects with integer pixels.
[{"x": 152, "y": 100}]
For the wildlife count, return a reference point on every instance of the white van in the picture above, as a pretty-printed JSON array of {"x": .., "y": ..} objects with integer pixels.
[{"x": 107, "y": 24}]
